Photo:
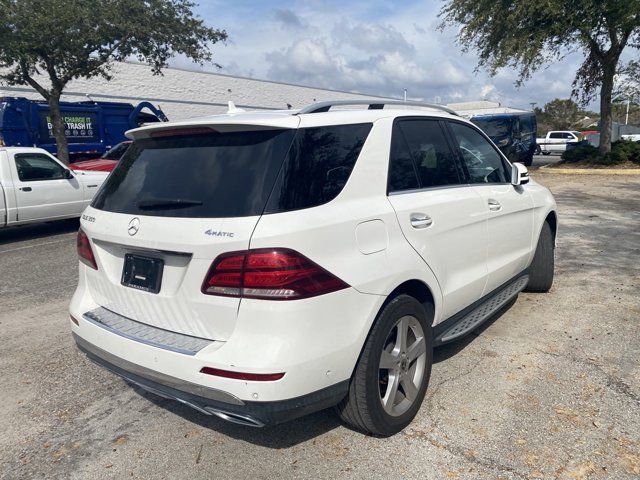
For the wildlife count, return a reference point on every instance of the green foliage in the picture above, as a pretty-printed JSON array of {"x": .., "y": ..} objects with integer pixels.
[
  {"x": 70, "y": 39},
  {"x": 560, "y": 114},
  {"x": 626, "y": 151},
  {"x": 628, "y": 82},
  {"x": 525, "y": 35},
  {"x": 586, "y": 153},
  {"x": 621, "y": 152},
  {"x": 619, "y": 113}
]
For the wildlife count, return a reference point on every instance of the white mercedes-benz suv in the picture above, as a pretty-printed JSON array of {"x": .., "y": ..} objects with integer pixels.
[{"x": 262, "y": 266}]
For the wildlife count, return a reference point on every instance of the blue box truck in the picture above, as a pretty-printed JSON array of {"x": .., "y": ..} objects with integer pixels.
[
  {"x": 91, "y": 127},
  {"x": 514, "y": 133}
]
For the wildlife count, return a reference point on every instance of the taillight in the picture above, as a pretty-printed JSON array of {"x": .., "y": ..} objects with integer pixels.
[
  {"x": 85, "y": 253},
  {"x": 270, "y": 273},
  {"x": 254, "y": 377}
]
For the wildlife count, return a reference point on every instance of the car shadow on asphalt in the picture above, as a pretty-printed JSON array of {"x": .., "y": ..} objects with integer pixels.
[
  {"x": 284, "y": 435},
  {"x": 290, "y": 434},
  {"x": 448, "y": 350},
  {"x": 38, "y": 230}
]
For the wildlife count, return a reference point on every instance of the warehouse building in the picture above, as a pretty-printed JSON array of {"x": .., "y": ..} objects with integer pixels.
[{"x": 184, "y": 93}]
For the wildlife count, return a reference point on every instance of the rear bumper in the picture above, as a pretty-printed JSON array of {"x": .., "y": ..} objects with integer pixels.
[{"x": 211, "y": 401}]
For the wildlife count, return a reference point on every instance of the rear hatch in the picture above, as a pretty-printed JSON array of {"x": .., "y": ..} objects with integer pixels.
[{"x": 179, "y": 198}]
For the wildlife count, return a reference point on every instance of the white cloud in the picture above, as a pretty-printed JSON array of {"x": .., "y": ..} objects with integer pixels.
[
  {"x": 370, "y": 47},
  {"x": 370, "y": 37},
  {"x": 388, "y": 73}
]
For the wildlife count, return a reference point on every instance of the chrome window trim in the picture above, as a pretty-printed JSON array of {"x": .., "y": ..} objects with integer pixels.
[{"x": 427, "y": 189}]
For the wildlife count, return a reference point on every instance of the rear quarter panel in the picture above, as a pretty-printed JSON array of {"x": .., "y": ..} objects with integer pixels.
[{"x": 332, "y": 234}]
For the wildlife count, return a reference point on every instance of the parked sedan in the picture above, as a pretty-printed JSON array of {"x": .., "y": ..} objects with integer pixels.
[{"x": 106, "y": 162}]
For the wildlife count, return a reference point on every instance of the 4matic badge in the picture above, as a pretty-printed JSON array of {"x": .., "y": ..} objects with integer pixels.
[{"x": 218, "y": 233}]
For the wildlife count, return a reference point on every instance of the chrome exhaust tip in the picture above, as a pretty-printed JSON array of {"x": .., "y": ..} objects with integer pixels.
[{"x": 234, "y": 417}]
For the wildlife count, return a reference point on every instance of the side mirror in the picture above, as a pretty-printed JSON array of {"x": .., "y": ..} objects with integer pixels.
[
  {"x": 519, "y": 174},
  {"x": 67, "y": 174}
]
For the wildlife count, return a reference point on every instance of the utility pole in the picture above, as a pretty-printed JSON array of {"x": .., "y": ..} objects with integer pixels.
[{"x": 626, "y": 120}]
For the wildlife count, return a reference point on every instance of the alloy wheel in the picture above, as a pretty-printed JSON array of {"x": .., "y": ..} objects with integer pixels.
[{"x": 402, "y": 365}]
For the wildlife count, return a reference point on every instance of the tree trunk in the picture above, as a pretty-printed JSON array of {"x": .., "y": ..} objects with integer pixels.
[
  {"x": 606, "y": 121},
  {"x": 58, "y": 127}
]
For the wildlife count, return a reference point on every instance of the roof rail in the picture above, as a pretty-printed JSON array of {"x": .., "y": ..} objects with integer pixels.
[{"x": 373, "y": 104}]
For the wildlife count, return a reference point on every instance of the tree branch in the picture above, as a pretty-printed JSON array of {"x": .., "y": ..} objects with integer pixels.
[
  {"x": 56, "y": 83},
  {"x": 32, "y": 82},
  {"x": 104, "y": 57}
]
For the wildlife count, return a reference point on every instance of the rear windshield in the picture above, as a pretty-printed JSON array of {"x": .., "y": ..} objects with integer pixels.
[
  {"x": 232, "y": 174},
  {"x": 116, "y": 152}
]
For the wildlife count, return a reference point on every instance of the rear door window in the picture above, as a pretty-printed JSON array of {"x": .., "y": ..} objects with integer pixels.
[
  {"x": 402, "y": 171},
  {"x": 318, "y": 166},
  {"x": 421, "y": 156}
]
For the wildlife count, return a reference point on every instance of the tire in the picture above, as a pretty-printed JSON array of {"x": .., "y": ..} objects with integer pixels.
[
  {"x": 546, "y": 153},
  {"x": 541, "y": 270},
  {"x": 538, "y": 150},
  {"x": 369, "y": 391}
]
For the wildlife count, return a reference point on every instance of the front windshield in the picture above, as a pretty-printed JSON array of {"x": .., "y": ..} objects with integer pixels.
[
  {"x": 116, "y": 152},
  {"x": 495, "y": 127}
]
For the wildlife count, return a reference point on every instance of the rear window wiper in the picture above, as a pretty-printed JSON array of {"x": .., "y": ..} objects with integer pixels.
[{"x": 167, "y": 203}]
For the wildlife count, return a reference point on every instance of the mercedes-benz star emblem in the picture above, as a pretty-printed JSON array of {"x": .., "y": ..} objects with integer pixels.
[{"x": 134, "y": 226}]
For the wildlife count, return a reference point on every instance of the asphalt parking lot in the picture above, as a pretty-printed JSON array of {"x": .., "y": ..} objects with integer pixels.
[
  {"x": 548, "y": 389},
  {"x": 542, "y": 160}
]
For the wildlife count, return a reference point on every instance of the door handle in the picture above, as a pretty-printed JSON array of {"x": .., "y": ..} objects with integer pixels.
[
  {"x": 421, "y": 220},
  {"x": 25, "y": 189},
  {"x": 494, "y": 205}
]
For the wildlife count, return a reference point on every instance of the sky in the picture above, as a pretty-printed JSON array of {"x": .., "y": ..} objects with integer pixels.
[{"x": 374, "y": 47}]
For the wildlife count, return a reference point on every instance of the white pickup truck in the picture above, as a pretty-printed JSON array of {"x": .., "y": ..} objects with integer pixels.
[
  {"x": 557, "y": 141},
  {"x": 37, "y": 187},
  {"x": 632, "y": 137}
]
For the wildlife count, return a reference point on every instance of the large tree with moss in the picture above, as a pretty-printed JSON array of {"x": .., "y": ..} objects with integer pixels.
[
  {"x": 527, "y": 35},
  {"x": 70, "y": 39}
]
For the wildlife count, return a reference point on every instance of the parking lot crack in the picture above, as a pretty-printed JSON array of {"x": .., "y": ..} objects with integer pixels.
[
  {"x": 483, "y": 462},
  {"x": 612, "y": 382}
]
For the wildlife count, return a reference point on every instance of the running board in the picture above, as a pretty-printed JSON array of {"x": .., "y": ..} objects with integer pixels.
[{"x": 480, "y": 313}]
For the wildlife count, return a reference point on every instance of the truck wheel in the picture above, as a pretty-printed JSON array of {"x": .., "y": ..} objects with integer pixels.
[
  {"x": 538, "y": 150},
  {"x": 546, "y": 153},
  {"x": 392, "y": 374},
  {"x": 541, "y": 270}
]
